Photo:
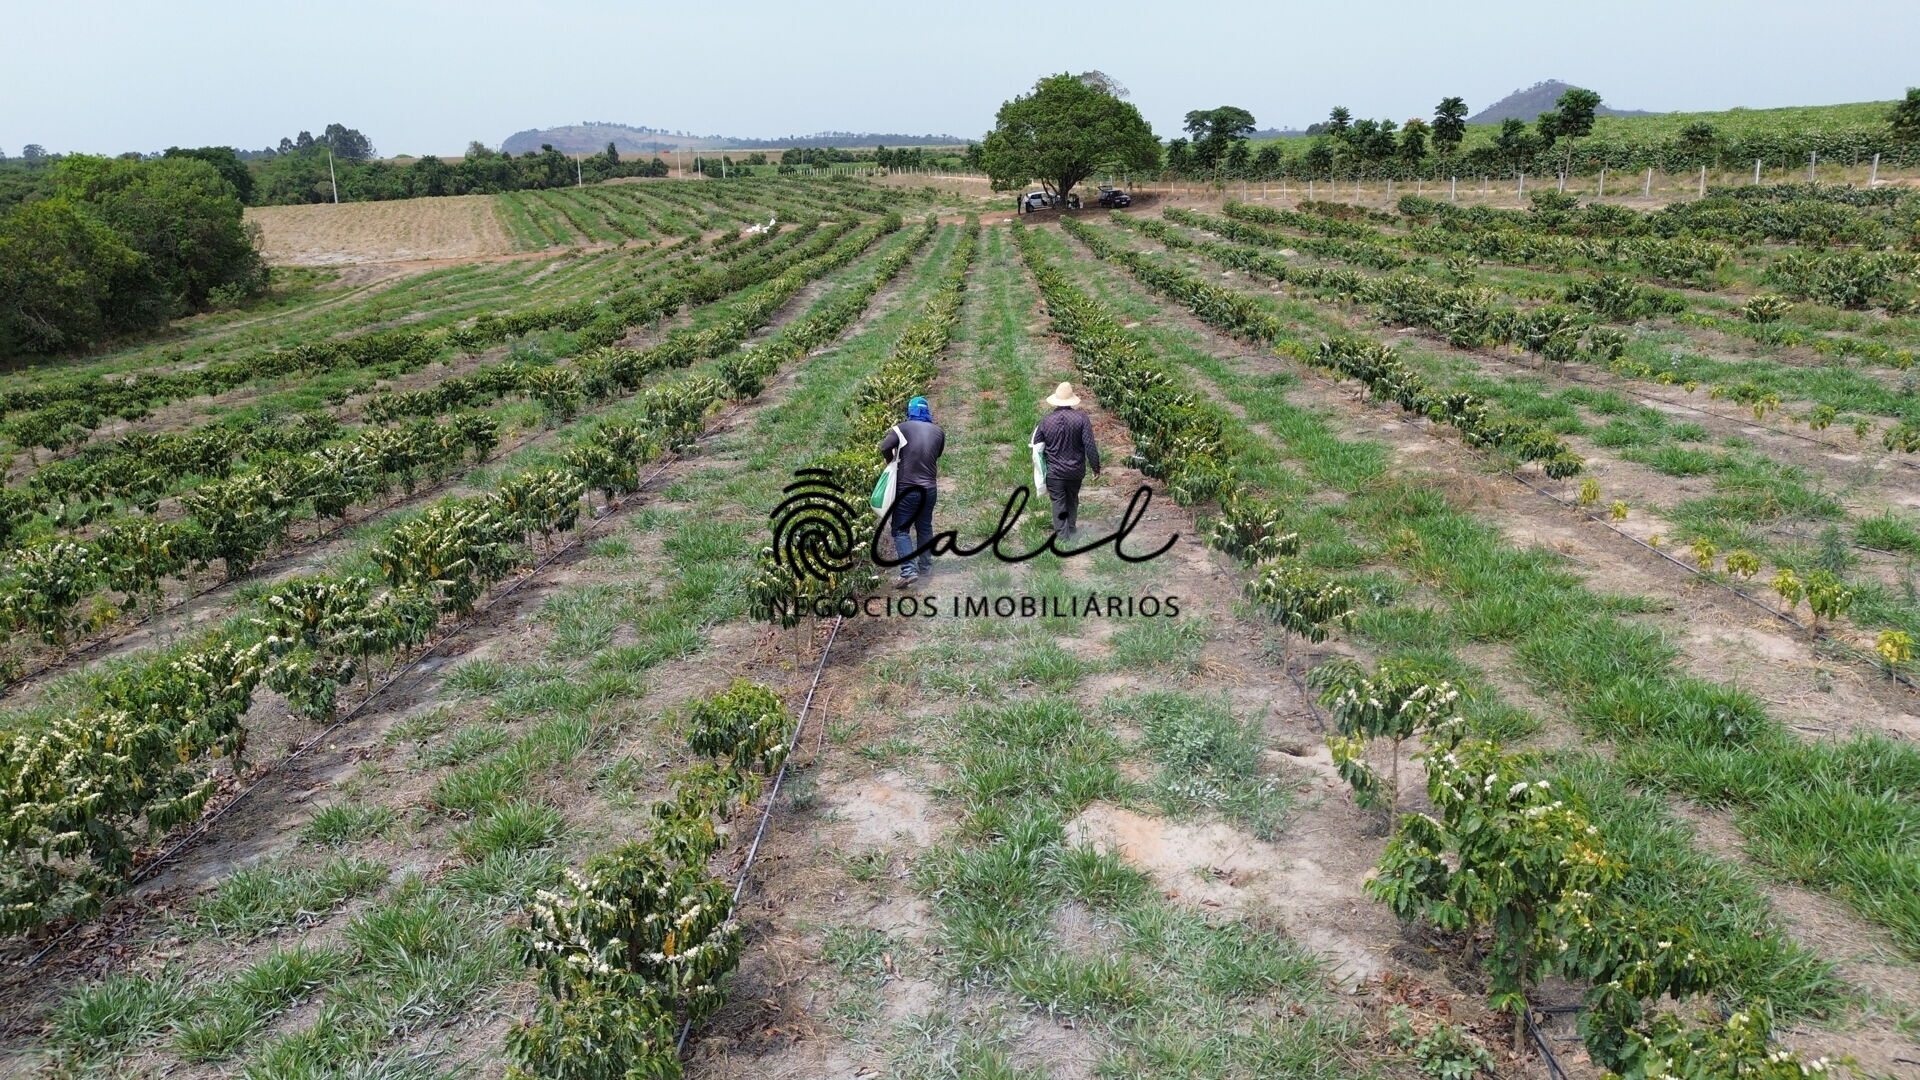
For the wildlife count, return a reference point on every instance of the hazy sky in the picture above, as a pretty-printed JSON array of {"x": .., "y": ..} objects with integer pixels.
[{"x": 428, "y": 77}]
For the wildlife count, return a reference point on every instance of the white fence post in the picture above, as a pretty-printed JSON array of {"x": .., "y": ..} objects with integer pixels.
[
  {"x": 1703, "y": 181},
  {"x": 1756, "y": 172},
  {"x": 1648, "y": 191},
  {"x": 1563, "y": 183},
  {"x": 1453, "y": 189},
  {"x": 1873, "y": 173},
  {"x": 1813, "y": 162},
  {"x": 1603, "y": 183},
  {"x": 1523, "y": 185}
]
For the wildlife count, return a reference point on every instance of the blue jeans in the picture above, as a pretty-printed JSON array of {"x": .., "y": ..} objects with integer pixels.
[{"x": 913, "y": 510}]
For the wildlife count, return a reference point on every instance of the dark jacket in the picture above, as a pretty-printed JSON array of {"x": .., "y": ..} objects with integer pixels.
[
  {"x": 920, "y": 465},
  {"x": 1068, "y": 436}
]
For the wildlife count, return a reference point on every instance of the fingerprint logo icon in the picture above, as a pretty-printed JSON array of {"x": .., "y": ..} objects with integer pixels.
[{"x": 813, "y": 528}]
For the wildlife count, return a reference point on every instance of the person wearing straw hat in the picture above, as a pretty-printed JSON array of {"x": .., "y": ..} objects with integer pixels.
[{"x": 1066, "y": 436}]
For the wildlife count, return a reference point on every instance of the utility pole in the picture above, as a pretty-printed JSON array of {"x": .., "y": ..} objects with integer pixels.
[{"x": 331, "y": 178}]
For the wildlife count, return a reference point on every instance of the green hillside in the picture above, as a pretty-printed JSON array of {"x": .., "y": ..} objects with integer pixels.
[
  {"x": 1867, "y": 117},
  {"x": 1847, "y": 134}
]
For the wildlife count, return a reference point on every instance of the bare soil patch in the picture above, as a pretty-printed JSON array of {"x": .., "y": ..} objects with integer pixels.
[{"x": 328, "y": 234}]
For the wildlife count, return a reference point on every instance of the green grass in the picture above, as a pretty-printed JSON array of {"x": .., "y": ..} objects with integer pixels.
[
  {"x": 1889, "y": 531},
  {"x": 228, "y": 1017},
  {"x": 348, "y": 823},
  {"x": 260, "y": 899},
  {"x": 1617, "y": 678},
  {"x": 1209, "y": 760},
  {"x": 510, "y": 827},
  {"x": 118, "y": 1012}
]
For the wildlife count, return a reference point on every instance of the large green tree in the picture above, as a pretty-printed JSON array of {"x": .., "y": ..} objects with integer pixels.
[
  {"x": 225, "y": 161},
  {"x": 180, "y": 213},
  {"x": 1216, "y": 131},
  {"x": 1576, "y": 108},
  {"x": 1062, "y": 133},
  {"x": 1905, "y": 117},
  {"x": 117, "y": 246},
  {"x": 61, "y": 272},
  {"x": 1449, "y": 124}
]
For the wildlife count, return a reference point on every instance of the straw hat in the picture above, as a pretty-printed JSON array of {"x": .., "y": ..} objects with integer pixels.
[{"x": 1064, "y": 397}]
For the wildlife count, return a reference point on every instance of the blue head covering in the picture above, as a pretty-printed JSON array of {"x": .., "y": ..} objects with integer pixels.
[{"x": 917, "y": 410}]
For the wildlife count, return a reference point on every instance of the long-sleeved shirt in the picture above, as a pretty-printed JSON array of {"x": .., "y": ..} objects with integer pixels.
[
  {"x": 1068, "y": 437},
  {"x": 920, "y": 463}
]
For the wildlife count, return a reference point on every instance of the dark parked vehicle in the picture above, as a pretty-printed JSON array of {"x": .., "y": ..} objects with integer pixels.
[{"x": 1115, "y": 197}]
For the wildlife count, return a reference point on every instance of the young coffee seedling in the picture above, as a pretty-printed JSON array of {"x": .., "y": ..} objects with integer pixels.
[
  {"x": 1743, "y": 564},
  {"x": 1703, "y": 552},
  {"x": 1895, "y": 648},
  {"x": 1395, "y": 702}
]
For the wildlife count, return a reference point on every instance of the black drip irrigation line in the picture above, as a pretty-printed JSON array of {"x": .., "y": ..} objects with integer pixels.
[
  {"x": 773, "y": 796},
  {"x": 1304, "y": 293},
  {"x": 1562, "y": 372},
  {"x": 206, "y": 824},
  {"x": 1313, "y": 710},
  {"x": 1804, "y": 538},
  {"x": 262, "y": 568},
  {"x": 1554, "y": 1071},
  {"x": 1608, "y": 525},
  {"x": 253, "y": 572}
]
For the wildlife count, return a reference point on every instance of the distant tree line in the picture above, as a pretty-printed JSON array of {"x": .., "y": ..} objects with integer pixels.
[
  {"x": 899, "y": 157},
  {"x": 110, "y": 246},
  {"x": 299, "y": 172},
  {"x": 1561, "y": 139}
]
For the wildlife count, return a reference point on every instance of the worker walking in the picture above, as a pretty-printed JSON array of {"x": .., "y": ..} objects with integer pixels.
[
  {"x": 917, "y": 480},
  {"x": 1067, "y": 438}
]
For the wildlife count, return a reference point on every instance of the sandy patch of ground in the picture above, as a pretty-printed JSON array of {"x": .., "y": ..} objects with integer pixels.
[{"x": 325, "y": 234}]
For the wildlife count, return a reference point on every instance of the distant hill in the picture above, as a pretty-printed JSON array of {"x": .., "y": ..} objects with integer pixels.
[
  {"x": 1528, "y": 104},
  {"x": 592, "y": 137}
]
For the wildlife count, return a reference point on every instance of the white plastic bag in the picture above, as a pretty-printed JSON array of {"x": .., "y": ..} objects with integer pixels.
[{"x": 888, "y": 485}]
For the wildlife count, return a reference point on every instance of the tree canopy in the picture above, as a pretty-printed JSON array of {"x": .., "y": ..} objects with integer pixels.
[
  {"x": 1217, "y": 132},
  {"x": 1905, "y": 117},
  {"x": 117, "y": 246},
  {"x": 1062, "y": 133},
  {"x": 1449, "y": 124}
]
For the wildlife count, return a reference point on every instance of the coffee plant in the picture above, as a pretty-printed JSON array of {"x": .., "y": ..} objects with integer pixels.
[
  {"x": 1395, "y": 702},
  {"x": 1305, "y": 602},
  {"x": 1505, "y": 854},
  {"x": 79, "y": 795},
  {"x": 638, "y": 945},
  {"x": 746, "y": 726},
  {"x": 1827, "y": 597},
  {"x": 1248, "y": 529}
]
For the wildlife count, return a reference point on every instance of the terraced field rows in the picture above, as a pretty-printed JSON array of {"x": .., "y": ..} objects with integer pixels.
[{"x": 1126, "y": 824}]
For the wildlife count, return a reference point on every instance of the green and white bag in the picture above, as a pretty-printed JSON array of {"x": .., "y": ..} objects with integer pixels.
[
  {"x": 1039, "y": 465},
  {"x": 889, "y": 482}
]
